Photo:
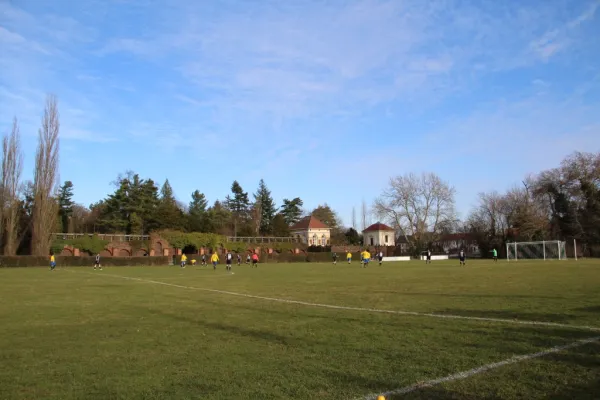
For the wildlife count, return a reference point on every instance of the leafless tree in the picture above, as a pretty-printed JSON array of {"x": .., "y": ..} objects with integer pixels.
[
  {"x": 354, "y": 218},
  {"x": 45, "y": 204},
  {"x": 364, "y": 216},
  {"x": 420, "y": 207},
  {"x": 12, "y": 168}
]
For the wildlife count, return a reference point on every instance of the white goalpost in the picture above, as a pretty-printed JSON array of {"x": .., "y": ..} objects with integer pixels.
[{"x": 544, "y": 250}]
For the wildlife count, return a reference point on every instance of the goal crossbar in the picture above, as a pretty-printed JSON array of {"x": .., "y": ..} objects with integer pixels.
[{"x": 537, "y": 250}]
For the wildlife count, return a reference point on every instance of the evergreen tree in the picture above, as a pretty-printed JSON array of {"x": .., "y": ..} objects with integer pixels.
[
  {"x": 265, "y": 208},
  {"x": 280, "y": 227},
  {"x": 169, "y": 214},
  {"x": 197, "y": 213},
  {"x": 218, "y": 218},
  {"x": 292, "y": 210},
  {"x": 238, "y": 205},
  {"x": 65, "y": 205}
]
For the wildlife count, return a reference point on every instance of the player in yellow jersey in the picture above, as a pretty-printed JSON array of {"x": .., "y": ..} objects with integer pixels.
[
  {"x": 183, "y": 260},
  {"x": 214, "y": 259},
  {"x": 52, "y": 262},
  {"x": 366, "y": 257},
  {"x": 349, "y": 257}
]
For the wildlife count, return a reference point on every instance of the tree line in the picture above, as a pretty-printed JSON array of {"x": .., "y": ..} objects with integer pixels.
[
  {"x": 562, "y": 203},
  {"x": 34, "y": 209}
]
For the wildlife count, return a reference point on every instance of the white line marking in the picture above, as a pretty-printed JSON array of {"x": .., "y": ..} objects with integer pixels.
[
  {"x": 372, "y": 310},
  {"x": 479, "y": 370}
]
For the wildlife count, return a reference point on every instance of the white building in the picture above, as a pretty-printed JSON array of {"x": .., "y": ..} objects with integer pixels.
[
  {"x": 379, "y": 235},
  {"x": 312, "y": 232}
]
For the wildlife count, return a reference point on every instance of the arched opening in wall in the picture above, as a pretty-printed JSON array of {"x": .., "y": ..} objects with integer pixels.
[
  {"x": 323, "y": 241},
  {"x": 158, "y": 248},
  {"x": 67, "y": 251},
  {"x": 123, "y": 253},
  {"x": 314, "y": 240},
  {"x": 190, "y": 249},
  {"x": 371, "y": 240},
  {"x": 141, "y": 253}
]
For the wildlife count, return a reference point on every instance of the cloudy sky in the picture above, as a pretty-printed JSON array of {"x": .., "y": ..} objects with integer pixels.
[{"x": 325, "y": 100}]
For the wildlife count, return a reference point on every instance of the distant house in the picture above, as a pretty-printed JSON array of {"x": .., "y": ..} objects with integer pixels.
[
  {"x": 379, "y": 235},
  {"x": 311, "y": 231},
  {"x": 402, "y": 244},
  {"x": 453, "y": 242}
]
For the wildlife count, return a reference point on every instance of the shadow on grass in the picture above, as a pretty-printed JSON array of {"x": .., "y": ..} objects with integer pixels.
[
  {"x": 591, "y": 309},
  {"x": 471, "y": 295},
  {"x": 509, "y": 314}
]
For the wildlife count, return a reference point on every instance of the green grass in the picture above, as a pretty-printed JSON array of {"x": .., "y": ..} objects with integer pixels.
[{"x": 76, "y": 333}]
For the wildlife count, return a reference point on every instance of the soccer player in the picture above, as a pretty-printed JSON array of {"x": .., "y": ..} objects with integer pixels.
[
  {"x": 248, "y": 258},
  {"x": 193, "y": 261},
  {"x": 462, "y": 256},
  {"x": 203, "y": 259},
  {"x": 366, "y": 257},
  {"x": 380, "y": 257},
  {"x": 255, "y": 260},
  {"x": 183, "y": 260},
  {"x": 97, "y": 262},
  {"x": 52, "y": 261},
  {"x": 228, "y": 260},
  {"x": 214, "y": 259},
  {"x": 495, "y": 254},
  {"x": 334, "y": 255},
  {"x": 349, "y": 257},
  {"x": 428, "y": 257},
  {"x": 239, "y": 259}
]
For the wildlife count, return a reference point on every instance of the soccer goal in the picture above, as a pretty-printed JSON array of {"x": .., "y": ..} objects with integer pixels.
[{"x": 545, "y": 250}]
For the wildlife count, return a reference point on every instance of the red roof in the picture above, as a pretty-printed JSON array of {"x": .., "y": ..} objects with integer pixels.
[
  {"x": 378, "y": 227},
  {"x": 309, "y": 222}
]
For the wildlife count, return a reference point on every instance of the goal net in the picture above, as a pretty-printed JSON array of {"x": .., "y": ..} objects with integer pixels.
[{"x": 545, "y": 250}]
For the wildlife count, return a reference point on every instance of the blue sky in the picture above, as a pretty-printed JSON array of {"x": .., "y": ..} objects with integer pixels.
[{"x": 325, "y": 100}]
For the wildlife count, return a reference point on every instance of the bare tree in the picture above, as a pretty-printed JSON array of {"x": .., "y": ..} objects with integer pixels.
[
  {"x": 364, "y": 216},
  {"x": 354, "y": 218},
  {"x": 12, "y": 168},
  {"x": 420, "y": 207},
  {"x": 45, "y": 182}
]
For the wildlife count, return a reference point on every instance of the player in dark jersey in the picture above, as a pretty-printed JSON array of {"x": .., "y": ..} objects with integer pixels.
[
  {"x": 462, "y": 257},
  {"x": 203, "y": 259},
  {"x": 97, "y": 262},
  {"x": 334, "y": 255},
  {"x": 248, "y": 259},
  {"x": 428, "y": 257},
  {"x": 380, "y": 257},
  {"x": 239, "y": 259},
  {"x": 228, "y": 260}
]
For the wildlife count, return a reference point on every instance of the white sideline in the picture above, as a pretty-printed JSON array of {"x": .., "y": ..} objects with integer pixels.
[
  {"x": 373, "y": 310},
  {"x": 479, "y": 370}
]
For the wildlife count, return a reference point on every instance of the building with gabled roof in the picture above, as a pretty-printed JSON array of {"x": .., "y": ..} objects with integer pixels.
[
  {"x": 311, "y": 231},
  {"x": 379, "y": 234}
]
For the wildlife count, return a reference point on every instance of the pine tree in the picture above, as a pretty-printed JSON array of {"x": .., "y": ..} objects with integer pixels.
[
  {"x": 292, "y": 210},
  {"x": 65, "y": 204},
  {"x": 266, "y": 209},
  {"x": 170, "y": 215},
  {"x": 197, "y": 213},
  {"x": 238, "y": 205}
]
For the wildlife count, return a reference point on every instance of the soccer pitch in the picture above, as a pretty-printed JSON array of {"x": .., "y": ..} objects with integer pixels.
[{"x": 303, "y": 331}]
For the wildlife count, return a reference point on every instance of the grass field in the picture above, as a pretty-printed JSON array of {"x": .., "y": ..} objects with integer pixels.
[{"x": 76, "y": 333}]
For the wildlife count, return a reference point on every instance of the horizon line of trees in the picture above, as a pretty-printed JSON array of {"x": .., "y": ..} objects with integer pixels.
[{"x": 561, "y": 203}]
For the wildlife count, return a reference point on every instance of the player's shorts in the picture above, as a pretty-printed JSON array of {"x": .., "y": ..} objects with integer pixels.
[
  {"x": 228, "y": 262},
  {"x": 428, "y": 258},
  {"x": 254, "y": 261},
  {"x": 462, "y": 259},
  {"x": 366, "y": 260},
  {"x": 53, "y": 264},
  {"x": 349, "y": 259},
  {"x": 380, "y": 259}
]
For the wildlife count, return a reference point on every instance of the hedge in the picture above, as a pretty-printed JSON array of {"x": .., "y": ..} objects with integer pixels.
[{"x": 83, "y": 261}]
